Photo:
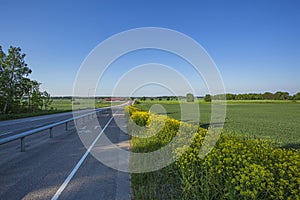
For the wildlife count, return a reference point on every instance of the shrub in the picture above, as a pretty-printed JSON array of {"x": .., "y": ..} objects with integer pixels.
[
  {"x": 140, "y": 118},
  {"x": 239, "y": 168},
  {"x": 207, "y": 98},
  {"x": 190, "y": 97}
]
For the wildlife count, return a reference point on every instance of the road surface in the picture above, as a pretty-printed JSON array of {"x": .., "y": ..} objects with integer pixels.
[
  {"x": 61, "y": 167},
  {"x": 10, "y": 127}
]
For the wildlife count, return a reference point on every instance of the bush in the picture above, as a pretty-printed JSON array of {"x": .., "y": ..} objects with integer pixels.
[
  {"x": 140, "y": 118},
  {"x": 239, "y": 168},
  {"x": 207, "y": 98},
  {"x": 190, "y": 97}
]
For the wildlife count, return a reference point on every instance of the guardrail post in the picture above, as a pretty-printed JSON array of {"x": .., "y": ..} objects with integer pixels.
[
  {"x": 66, "y": 128},
  {"x": 22, "y": 144},
  {"x": 51, "y": 134}
]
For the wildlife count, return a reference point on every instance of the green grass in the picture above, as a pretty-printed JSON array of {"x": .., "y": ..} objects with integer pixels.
[
  {"x": 24, "y": 115},
  {"x": 61, "y": 105},
  {"x": 277, "y": 120},
  {"x": 263, "y": 101},
  {"x": 66, "y": 104}
]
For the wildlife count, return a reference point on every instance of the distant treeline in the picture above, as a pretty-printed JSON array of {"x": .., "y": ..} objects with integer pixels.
[
  {"x": 258, "y": 96},
  {"x": 249, "y": 96},
  {"x": 168, "y": 98}
]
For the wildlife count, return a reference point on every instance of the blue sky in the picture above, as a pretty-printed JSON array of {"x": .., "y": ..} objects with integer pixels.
[{"x": 255, "y": 44}]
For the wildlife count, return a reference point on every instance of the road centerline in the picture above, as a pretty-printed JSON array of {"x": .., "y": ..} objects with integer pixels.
[{"x": 75, "y": 169}]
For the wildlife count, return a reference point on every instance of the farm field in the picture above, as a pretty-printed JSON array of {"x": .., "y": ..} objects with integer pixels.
[
  {"x": 66, "y": 104},
  {"x": 276, "y": 120},
  {"x": 238, "y": 167}
]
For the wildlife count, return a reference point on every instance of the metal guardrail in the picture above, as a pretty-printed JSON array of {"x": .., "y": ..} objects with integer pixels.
[{"x": 22, "y": 136}]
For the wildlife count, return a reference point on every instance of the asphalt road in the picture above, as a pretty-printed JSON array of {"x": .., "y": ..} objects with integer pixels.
[
  {"x": 9, "y": 127},
  {"x": 62, "y": 167}
]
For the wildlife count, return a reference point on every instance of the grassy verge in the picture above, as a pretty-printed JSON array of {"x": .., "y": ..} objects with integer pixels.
[
  {"x": 24, "y": 115},
  {"x": 236, "y": 168},
  {"x": 59, "y": 106}
]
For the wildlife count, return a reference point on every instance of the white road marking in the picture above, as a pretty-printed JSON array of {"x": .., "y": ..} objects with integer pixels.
[
  {"x": 68, "y": 179},
  {"x": 96, "y": 127},
  {"x": 6, "y": 133},
  {"x": 85, "y": 131},
  {"x": 83, "y": 127}
]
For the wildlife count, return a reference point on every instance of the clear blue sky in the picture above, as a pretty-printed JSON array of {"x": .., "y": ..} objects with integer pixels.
[{"x": 255, "y": 44}]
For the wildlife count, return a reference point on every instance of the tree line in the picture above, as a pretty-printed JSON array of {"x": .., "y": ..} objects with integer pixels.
[
  {"x": 255, "y": 96},
  {"x": 19, "y": 93}
]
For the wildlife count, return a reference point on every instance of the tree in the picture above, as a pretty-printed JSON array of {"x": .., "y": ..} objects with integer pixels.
[
  {"x": 143, "y": 98},
  {"x": 281, "y": 95},
  {"x": 46, "y": 99},
  {"x": 230, "y": 96},
  {"x": 268, "y": 95},
  {"x": 13, "y": 72},
  {"x": 2, "y": 81},
  {"x": 15, "y": 85},
  {"x": 190, "y": 97},
  {"x": 207, "y": 98},
  {"x": 37, "y": 100},
  {"x": 297, "y": 96}
]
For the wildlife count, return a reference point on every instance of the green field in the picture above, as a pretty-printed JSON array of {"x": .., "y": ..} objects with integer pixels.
[
  {"x": 276, "y": 120},
  {"x": 237, "y": 167},
  {"x": 66, "y": 104},
  {"x": 62, "y": 105}
]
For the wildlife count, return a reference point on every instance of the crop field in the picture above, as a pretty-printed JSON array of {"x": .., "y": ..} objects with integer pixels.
[
  {"x": 238, "y": 167},
  {"x": 66, "y": 104},
  {"x": 278, "y": 121}
]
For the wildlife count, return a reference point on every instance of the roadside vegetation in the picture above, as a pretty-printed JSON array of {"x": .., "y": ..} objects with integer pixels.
[
  {"x": 265, "y": 119},
  {"x": 238, "y": 167},
  {"x": 63, "y": 104}
]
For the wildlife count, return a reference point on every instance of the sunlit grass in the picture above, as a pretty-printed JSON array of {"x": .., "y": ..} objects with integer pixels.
[
  {"x": 276, "y": 121},
  {"x": 63, "y": 105}
]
